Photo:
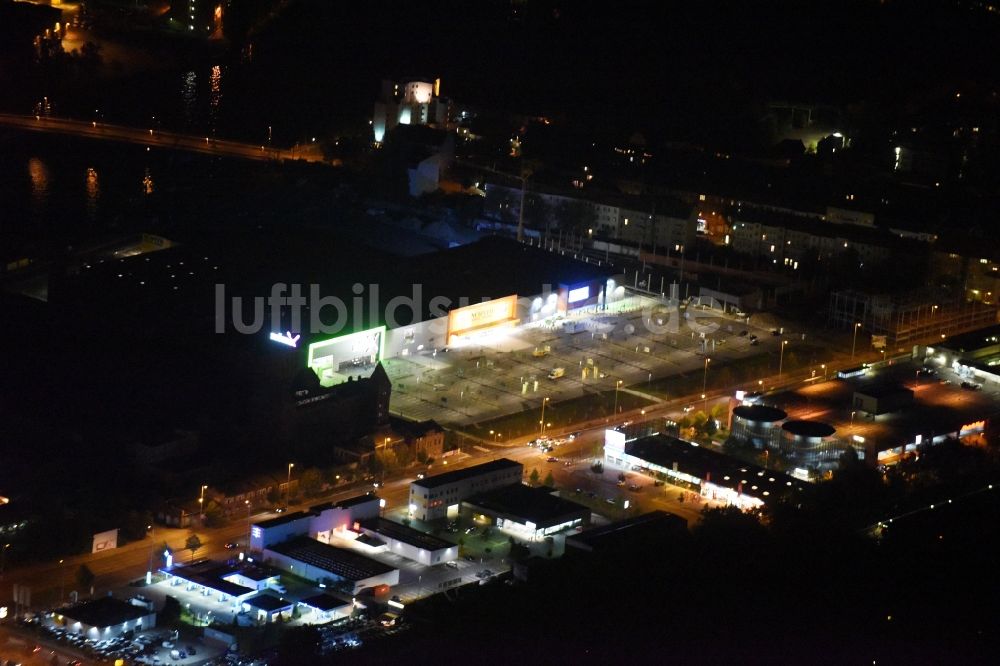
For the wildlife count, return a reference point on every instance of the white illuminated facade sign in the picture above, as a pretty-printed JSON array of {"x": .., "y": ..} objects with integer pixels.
[
  {"x": 286, "y": 339},
  {"x": 579, "y": 294}
]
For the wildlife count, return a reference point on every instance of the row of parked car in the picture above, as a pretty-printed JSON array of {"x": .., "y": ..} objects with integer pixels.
[{"x": 118, "y": 647}]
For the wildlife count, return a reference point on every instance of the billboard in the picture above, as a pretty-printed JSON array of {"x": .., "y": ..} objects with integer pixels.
[
  {"x": 105, "y": 541},
  {"x": 579, "y": 294},
  {"x": 352, "y": 355},
  {"x": 482, "y": 316}
]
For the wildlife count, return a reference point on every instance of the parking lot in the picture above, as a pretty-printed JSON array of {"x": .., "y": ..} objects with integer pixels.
[
  {"x": 155, "y": 646},
  {"x": 508, "y": 371}
]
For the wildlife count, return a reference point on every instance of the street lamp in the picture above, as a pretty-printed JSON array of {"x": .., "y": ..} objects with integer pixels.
[
  {"x": 3, "y": 558},
  {"x": 247, "y": 503},
  {"x": 149, "y": 565},
  {"x": 201, "y": 505},
  {"x": 781, "y": 357},
  {"x": 704, "y": 384},
  {"x": 288, "y": 483},
  {"x": 852, "y": 420},
  {"x": 854, "y": 342},
  {"x": 618, "y": 385},
  {"x": 541, "y": 422}
]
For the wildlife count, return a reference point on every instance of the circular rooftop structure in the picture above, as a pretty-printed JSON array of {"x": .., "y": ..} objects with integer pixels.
[
  {"x": 759, "y": 413},
  {"x": 809, "y": 429}
]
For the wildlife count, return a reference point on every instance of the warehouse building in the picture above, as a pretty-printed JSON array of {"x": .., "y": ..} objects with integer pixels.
[
  {"x": 527, "y": 513},
  {"x": 105, "y": 617},
  {"x": 410, "y": 543},
  {"x": 623, "y": 536},
  {"x": 322, "y": 563},
  {"x": 266, "y": 608},
  {"x": 325, "y": 607}
]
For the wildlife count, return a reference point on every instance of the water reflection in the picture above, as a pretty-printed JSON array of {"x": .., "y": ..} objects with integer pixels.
[
  {"x": 189, "y": 97},
  {"x": 93, "y": 193},
  {"x": 214, "y": 96},
  {"x": 39, "y": 174}
]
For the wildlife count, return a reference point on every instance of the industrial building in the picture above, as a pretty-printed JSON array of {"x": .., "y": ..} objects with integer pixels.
[
  {"x": 410, "y": 543},
  {"x": 622, "y": 536},
  {"x": 105, "y": 617},
  {"x": 526, "y": 513},
  {"x": 320, "y": 522},
  {"x": 905, "y": 319},
  {"x": 325, "y": 607},
  {"x": 714, "y": 475},
  {"x": 266, "y": 608},
  {"x": 974, "y": 355},
  {"x": 439, "y": 496},
  {"x": 329, "y": 565},
  {"x": 882, "y": 398}
]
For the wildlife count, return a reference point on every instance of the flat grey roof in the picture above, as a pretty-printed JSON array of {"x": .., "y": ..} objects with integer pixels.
[
  {"x": 407, "y": 535},
  {"x": 535, "y": 505},
  {"x": 607, "y": 536},
  {"x": 447, "y": 478},
  {"x": 325, "y": 602},
  {"x": 269, "y": 602},
  {"x": 281, "y": 520},
  {"x": 341, "y": 562},
  {"x": 105, "y": 612}
]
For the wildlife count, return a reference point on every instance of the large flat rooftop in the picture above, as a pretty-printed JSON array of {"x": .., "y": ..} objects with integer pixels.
[
  {"x": 447, "y": 478},
  {"x": 527, "y": 504},
  {"x": 405, "y": 534},
  {"x": 669, "y": 452},
  {"x": 940, "y": 406},
  {"x": 105, "y": 612},
  {"x": 342, "y": 562},
  {"x": 625, "y": 532}
]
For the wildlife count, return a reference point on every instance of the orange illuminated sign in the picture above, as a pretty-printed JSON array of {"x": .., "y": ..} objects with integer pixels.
[
  {"x": 975, "y": 426},
  {"x": 480, "y": 316}
]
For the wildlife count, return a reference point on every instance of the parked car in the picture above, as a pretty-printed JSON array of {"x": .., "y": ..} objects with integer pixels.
[
  {"x": 971, "y": 386},
  {"x": 552, "y": 459},
  {"x": 232, "y": 545}
]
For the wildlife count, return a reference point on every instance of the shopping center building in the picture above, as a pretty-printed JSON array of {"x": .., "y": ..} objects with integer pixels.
[{"x": 713, "y": 475}]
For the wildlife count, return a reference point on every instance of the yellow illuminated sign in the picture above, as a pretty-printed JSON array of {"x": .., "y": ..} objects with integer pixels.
[{"x": 482, "y": 315}]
